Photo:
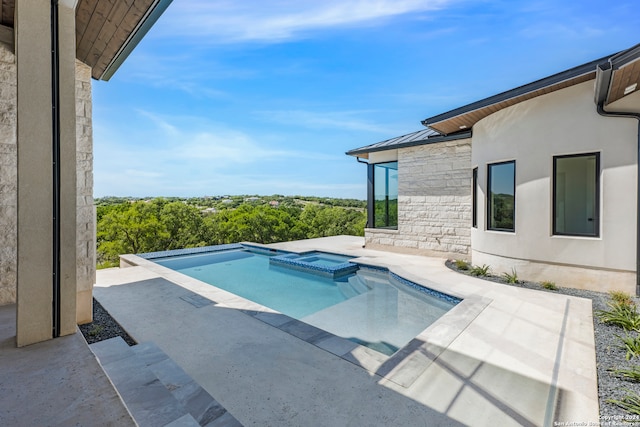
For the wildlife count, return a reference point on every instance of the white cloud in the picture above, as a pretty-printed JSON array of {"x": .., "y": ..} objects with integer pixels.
[
  {"x": 194, "y": 156},
  {"x": 322, "y": 120},
  {"x": 162, "y": 124},
  {"x": 274, "y": 21}
]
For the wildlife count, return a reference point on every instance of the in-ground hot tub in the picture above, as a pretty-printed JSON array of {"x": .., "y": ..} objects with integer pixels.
[{"x": 320, "y": 263}]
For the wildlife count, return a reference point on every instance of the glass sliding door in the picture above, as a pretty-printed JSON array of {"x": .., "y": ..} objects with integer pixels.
[{"x": 385, "y": 183}]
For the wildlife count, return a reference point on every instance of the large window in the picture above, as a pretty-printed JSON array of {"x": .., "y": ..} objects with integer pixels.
[
  {"x": 501, "y": 207},
  {"x": 576, "y": 194},
  {"x": 385, "y": 190}
]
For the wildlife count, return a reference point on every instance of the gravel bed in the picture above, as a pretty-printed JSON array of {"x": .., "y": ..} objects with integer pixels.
[
  {"x": 103, "y": 327},
  {"x": 609, "y": 353}
]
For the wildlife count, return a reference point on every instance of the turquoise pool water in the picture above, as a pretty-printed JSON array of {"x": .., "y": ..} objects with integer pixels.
[
  {"x": 366, "y": 307},
  {"x": 325, "y": 259},
  {"x": 249, "y": 275}
]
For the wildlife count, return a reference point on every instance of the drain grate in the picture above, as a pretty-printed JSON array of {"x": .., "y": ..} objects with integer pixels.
[{"x": 196, "y": 300}]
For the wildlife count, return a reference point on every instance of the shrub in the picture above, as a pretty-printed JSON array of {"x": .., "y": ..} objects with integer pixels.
[
  {"x": 630, "y": 402},
  {"x": 95, "y": 330},
  {"x": 461, "y": 264},
  {"x": 551, "y": 286},
  {"x": 511, "y": 278},
  {"x": 631, "y": 344},
  {"x": 622, "y": 315},
  {"x": 632, "y": 374},
  {"x": 621, "y": 297},
  {"x": 480, "y": 271}
]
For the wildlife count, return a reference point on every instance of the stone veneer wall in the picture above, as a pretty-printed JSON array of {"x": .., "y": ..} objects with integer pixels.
[
  {"x": 85, "y": 209},
  {"x": 434, "y": 202},
  {"x": 85, "y": 251},
  {"x": 8, "y": 176}
]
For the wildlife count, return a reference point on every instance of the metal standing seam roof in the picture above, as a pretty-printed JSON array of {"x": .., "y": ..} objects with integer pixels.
[{"x": 421, "y": 137}]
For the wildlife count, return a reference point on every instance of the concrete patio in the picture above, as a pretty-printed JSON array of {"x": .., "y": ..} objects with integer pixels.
[
  {"x": 511, "y": 356},
  {"x": 54, "y": 383}
]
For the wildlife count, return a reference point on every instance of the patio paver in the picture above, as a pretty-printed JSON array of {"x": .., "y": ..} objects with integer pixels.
[{"x": 525, "y": 358}]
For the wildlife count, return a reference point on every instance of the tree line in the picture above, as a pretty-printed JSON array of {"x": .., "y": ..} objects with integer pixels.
[{"x": 161, "y": 224}]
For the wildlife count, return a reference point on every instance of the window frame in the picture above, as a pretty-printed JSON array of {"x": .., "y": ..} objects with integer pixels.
[
  {"x": 474, "y": 198},
  {"x": 489, "y": 204},
  {"x": 373, "y": 205},
  {"x": 596, "y": 218}
]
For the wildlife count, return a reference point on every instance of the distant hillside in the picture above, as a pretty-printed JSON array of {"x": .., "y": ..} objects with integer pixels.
[
  {"x": 136, "y": 225},
  {"x": 227, "y": 201}
]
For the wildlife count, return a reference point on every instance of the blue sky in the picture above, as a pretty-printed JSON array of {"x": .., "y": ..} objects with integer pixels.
[{"x": 264, "y": 97}]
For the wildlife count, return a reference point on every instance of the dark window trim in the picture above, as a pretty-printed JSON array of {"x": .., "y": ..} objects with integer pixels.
[
  {"x": 489, "y": 165},
  {"x": 373, "y": 217},
  {"x": 597, "y": 201},
  {"x": 474, "y": 198}
]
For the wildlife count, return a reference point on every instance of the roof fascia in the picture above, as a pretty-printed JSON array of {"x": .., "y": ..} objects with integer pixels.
[
  {"x": 452, "y": 137},
  {"x": 625, "y": 57},
  {"x": 603, "y": 82},
  {"x": 145, "y": 24},
  {"x": 521, "y": 90}
]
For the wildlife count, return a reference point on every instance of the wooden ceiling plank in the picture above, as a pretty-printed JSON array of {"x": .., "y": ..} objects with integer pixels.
[
  {"x": 96, "y": 22},
  {"x": 121, "y": 23},
  {"x": 84, "y": 10},
  {"x": 129, "y": 22}
]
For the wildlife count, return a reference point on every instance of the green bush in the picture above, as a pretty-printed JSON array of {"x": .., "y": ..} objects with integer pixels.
[
  {"x": 551, "y": 286},
  {"x": 96, "y": 330},
  {"x": 480, "y": 270},
  {"x": 622, "y": 315},
  {"x": 511, "y": 278},
  {"x": 632, "y": 374},
  {"x": 630, "y": 402},
  {"x": 461, "y": 264},
  {"x": 631, "y": 344},
  {"x": 621, "y": 297}
]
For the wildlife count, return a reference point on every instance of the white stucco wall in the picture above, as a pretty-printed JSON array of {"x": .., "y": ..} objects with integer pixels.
[{"x": 531, "y": 133}]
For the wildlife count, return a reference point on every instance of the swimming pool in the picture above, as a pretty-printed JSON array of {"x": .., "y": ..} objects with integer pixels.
[{"x": 369, "y": 306}]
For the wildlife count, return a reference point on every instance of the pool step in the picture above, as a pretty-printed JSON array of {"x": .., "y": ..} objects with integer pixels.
[
  {"x": 354, "y": 286},
  {"x": 373, "y": 278},
  {"x": 155, "y": 389}
]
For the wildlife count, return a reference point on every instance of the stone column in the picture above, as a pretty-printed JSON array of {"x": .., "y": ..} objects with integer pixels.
[{"x": 35, "y": 263}]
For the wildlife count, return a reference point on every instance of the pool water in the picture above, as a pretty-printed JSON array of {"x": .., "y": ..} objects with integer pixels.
[
  {"x": 324, "y": 259},
  {"x": 250, "y": 276},
  {"x": 366, "y": 307}
]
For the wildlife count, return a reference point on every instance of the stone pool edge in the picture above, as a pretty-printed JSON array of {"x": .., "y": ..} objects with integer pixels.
[{"x": 401, "y": 368}]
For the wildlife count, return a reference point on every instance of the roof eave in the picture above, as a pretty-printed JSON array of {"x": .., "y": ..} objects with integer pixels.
[
  {"x": 145, "y": 24},
  {"x": 555, "y": 79},
  {"x": 625, "y": 57},
  {"x": 358, "y": 152}
]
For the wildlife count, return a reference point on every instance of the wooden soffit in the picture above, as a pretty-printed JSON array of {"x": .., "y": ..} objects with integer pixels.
[
  {"x": 624, "y": 79},
  {"x": 466, "y": 120},
  {"x": 103, "y": 28}
]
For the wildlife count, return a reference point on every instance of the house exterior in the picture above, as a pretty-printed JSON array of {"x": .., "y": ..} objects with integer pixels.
[
  {"x": 541, "y": 179},
  {"x": 49, "y": 51}
]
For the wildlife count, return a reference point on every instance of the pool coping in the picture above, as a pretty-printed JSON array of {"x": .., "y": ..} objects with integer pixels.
[{"x": 402, "y": 368}]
